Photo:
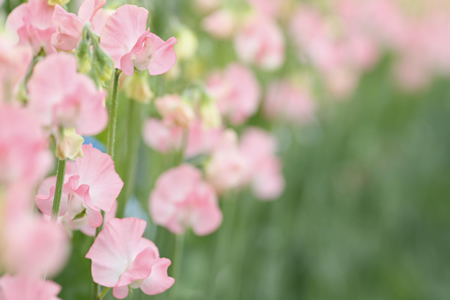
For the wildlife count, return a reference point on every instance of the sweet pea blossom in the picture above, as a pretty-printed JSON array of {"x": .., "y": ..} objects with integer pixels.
[
  {"x": 24, "y": 287},
  {"x": 182, "y": 199},
  {"x": 14, "y": 63},
  {"x": 261, "y": 42},
  {"x": 175, "y": 111},
  {"x": 91, "y": 184},
  {"x": 201, "y": 140},
  {"x": 24, "y": 157},
  {"x": 123, "y": 259},
  {"x": 220, "y": 24},
  {"x": 62, "y": 97},
  {"x": 227, "y": 168},
  {"x": 32, "y": 21},
  {"x": 288, "y": 101},
  {"x": 130, "y": 46},
  {"x": 236, "y": 91},
  {"x": 70, "y": 26},
  {"x": 258, "y": 147},
  {"x": 161, "y": 136}
]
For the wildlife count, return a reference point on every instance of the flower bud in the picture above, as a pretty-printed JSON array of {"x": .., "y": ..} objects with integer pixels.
[
  {"x": 84, "y": 57},
  {"x": 210, "y": 115},
  {"x": 69, "y": 145},
  {"x": 103, "y": 65},
  {"x": 59, "y": 2},
  {"x": 137, "y": 88},
  {"x": 187, "y": 43}
]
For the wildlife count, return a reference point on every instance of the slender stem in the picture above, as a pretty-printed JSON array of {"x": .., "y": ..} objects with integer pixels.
[
  {"x": 60, "y": 172},
  {"x": 113, "y": 115},
  {"x": 177, "y": 263},
  {"x": 103, "y": 294},
  {"x": 110, "y": 148},
  {"x": 133, "y": 133}
]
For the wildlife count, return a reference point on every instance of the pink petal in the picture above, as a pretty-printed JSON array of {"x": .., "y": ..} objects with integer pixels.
[
  {"x": 69, "y": 28},
  {"x": 164, "y": 57},
  {"x": 207, "y": 215},
  {"x": 25, "y": 287},
  {"x": 126, "y": 62},
  {"x": 96, "y": 169},
  {"x": 140, "y": 269},
  {"x": 46, "y": 192},
  {"x": 161, "y": 137},
  {"x": 158, "y": 281},
  {"x": 122, "y": 30},
  {"x": 114, "y": 248},
  {"x": 89, "y": 9}
]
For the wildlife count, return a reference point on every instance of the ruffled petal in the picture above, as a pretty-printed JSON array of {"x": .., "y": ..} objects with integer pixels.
[
  {"x": 158, "y": 281},
  {"x": 164, "y": 57}
]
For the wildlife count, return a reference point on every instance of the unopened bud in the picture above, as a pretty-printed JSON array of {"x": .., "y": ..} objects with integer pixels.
[
  {"x": 210, "y": 115},
  {"x": 69, "y": 145},
  {"x": 60, "y": 2},
  {"x": 137, "y": 88},
  {"x": 187, "y": 43}
]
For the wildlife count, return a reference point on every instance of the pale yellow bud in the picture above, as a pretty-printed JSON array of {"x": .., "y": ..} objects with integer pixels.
[
  {"x": 69, "y": 145},
  {"x": 60, "y": 2},
  {"x": 187, "y": 44},
  {"x": 210, "y": 115},
  {"x": 137, "y": 88}
]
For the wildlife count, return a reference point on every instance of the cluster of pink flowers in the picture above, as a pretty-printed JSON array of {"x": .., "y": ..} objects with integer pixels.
[{"x": 45, "y": 96}]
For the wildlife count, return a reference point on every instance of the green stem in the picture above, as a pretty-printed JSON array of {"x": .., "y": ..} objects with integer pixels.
[
  {"x": 110, "y": 148},
  {"x": 113, "y": 115},
  {"x": 177, "y": 263},
  {"x": 60, "y": 172},
  {"x": 103, "y": 294},
  {"x": 133, "y": 139}
]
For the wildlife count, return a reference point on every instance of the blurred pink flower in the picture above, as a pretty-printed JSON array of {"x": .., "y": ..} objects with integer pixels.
[
  {"x": 91, "y": 185},
  {"x": 182, "y": 199},
  {"x": 24, "y": 154},
  {"x": 70, "y": 26},
  {"x": 261, "y": 42},
  {"x": 206, "y": 6},
  {"x": 291, "y": 102},
  {"x": 201, "y": 140},
  {"x": 236, "y": 91},
  {"x": 123, "y": 259},
  {"x": 259, "y": 147},
  {"x": 267, "y": 7},
  {"x": 14, "y": 63},
  {"x": 220, "y": 24},
  {"x": 32, "y": 245},
  {"x": 125, "y": 39},
  {"x": 175, "y": 111},
  {"x": 62, "y": 97},
  {"x": 32, "y": 22},
  {"x": 24, "y": 287},
  {"x": 227, "y": 168},
  {"x": 162, "y": 137}
]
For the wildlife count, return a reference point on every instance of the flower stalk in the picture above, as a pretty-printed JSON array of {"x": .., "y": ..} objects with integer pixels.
[
  {"x": 113, "y": 115},
  {"x": 60, "y": 173}
]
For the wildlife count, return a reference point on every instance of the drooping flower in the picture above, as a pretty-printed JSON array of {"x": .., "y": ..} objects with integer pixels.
[
  {"x": 32, "y": 21},
  {"x": 25, "y": 287},
  {"x": 236, "y": 92},
  {"x": 227, "y": 168},
  {"x": 261, "y": 42},
  {"x": 131, "y": 46},
  {"x": 91, "y": 184},
  {"x": 161, "y": 136},
  {"x": 62, "y": 97},
  {"x": 258, "y": 147},
  {"x": 70, "y": 26},
  {"x": 123, "y": 259},
  {"x": 181, "y": 199}
]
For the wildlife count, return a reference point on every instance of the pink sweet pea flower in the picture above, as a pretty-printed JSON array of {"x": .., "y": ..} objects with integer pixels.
[
  {"x": 70, "y": 26},
  {"x": 182, "y": 199},
  {"x": 14, "y": 63},
  {"x": 91, "y": 186},
  {"x": 62, "y": 97},
  {"x": 261, "y": 42},
  {"x": 227, "y": 169},
  {"x": 125, "y": 39},
  {"x": 259, "y": 147},
  {"x": 24, "y": 154},
  {"x": 24, "y": 287},
  {"x": 33, "y": 23},
  {"x": 220, "y": 24},
  {"x": 162, "y": 137},
  {"x": 123, "y": 259},
  {"x": 236, "y": 91},
  {"x": 201, "y": 140},
  {"x": 175, "y": 111},
  {"x": 290, "y": 102},
  {"x": 267, "y": 7}
]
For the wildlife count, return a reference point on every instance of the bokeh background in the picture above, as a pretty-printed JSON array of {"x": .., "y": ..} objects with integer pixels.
[{"x": 365, "y": 211}]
